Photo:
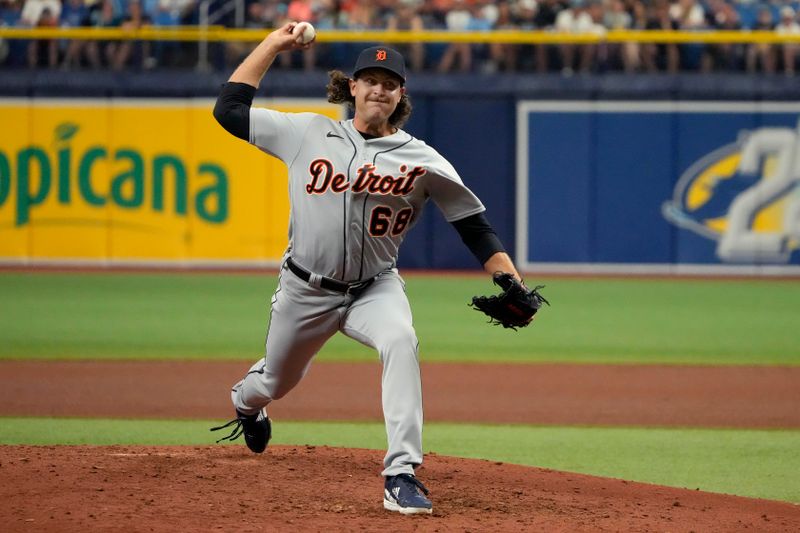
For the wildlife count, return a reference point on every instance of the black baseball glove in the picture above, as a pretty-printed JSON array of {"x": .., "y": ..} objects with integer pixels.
[{"x": 514, "y": 307}]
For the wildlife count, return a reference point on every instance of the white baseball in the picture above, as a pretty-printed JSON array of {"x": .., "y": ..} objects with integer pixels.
[{"x": 304, "y": 32}]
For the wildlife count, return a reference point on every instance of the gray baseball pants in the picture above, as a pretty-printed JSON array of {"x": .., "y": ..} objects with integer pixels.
[{"x": 303, "y": 318}]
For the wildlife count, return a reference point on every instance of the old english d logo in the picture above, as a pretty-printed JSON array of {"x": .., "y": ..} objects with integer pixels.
[{"x": 380, "y": 55}]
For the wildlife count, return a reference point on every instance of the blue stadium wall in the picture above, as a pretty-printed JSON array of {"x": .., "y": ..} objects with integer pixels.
[{"x": 580, "y": 186}]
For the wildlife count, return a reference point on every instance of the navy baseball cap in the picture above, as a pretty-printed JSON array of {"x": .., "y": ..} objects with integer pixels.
[{"x": 381, "y": 57}]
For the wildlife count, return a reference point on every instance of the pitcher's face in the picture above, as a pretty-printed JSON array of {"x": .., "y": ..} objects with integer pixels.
[{"x": 377, "y": 93}]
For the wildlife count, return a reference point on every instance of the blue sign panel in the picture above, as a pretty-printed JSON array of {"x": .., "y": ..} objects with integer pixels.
[{"x": 658, "y": 183}]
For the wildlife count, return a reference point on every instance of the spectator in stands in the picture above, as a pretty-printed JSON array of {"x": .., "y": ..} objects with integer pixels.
[
  {"x": 762, "y": 54},
  {"x": 258, "y": 14},
  {"x": 596, "y": 10},
  {"x": 363, "y": 15},
  {"x": 124, "y": 52},
  {"x": 437, "y": 10},
  {"x": 725, "y": 56},
  {"x": 504, "y": 56},
  {"x": 788, "y": 26},
  {"x": 483, "y": 15},
  {"x": 541, "y": 15},
  {"x": 103, "y": 15},
  {"x": 406, "y": 17},
  {"x": 12, "y": 51},
  {"x": 383, "y": 9},
  {"x": 10, "y": 12},
  {"x": 300, "y": 11},
  {"x": 457, "y": 19},
  {"x": 32, "y": 11},
  {"x": 580, "y": 17},
  {"x": 566, "y": 21},
  {"x": 75, "y": 13},
  {"x": 330, "y": 15},
  {"x": 4, "y": 48},
  {"x": 660, "y": 56},
  {"x": 468, "y": 15},
  {"x": 690, "y": 16},
  {"x": 265, "y": 14},
  {"x": 638, "y": 13},
  {"x": 41, "y": 14},
  {"x": 617, "y": 17},
  {"x": 167, "y": 13},
  {"x": 171, "y": 12},
  {"x": 333, "y": 15}
]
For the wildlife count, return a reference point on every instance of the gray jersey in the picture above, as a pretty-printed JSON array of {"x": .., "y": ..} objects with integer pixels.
[{"x": 353, "y": 200}]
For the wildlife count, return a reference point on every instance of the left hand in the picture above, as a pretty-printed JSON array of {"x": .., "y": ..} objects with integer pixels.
[{"x": 513, "y": 308}]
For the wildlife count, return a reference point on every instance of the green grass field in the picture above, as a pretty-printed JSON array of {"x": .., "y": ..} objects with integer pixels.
[{"x": 223, "y": 316}]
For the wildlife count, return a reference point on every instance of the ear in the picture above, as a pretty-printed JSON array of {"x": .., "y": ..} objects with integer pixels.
[{"x": 352, "y": 83}]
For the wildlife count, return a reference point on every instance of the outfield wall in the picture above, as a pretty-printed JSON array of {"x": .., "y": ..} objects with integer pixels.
[
  {"x": 119, "y": 181},
  {"x": 658, "y": 185},
  {"x": 584, "y": 174}
]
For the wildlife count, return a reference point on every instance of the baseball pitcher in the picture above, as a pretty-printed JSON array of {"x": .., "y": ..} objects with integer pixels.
[{"x": 356, "y": 187}]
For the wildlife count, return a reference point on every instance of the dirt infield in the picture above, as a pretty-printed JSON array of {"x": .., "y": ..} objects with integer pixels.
[
  {"x": 734, "y": 396},
  {"x": 126, "y": 488},
  {"x": 316, "y": 489}
]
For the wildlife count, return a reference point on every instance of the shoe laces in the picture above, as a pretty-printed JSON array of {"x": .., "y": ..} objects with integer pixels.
[
  {"x": 413, "y": 481},
  {"x": 238, "y": 429}
]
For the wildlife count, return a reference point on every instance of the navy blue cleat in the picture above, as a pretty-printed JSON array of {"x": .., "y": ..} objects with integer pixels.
[
  {"x": 401, "y": 493},
  {"x": 257, "y": 430}
]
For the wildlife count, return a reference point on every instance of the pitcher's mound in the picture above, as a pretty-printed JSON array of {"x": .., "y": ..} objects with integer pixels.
[{"x": 80, "y": 488}]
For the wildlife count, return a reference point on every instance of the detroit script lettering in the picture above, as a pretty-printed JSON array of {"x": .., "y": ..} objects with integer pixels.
[{"x": 323, "y": 177}]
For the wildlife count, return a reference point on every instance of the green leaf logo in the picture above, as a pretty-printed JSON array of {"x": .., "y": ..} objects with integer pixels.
[{"x": 66, "y": 131}]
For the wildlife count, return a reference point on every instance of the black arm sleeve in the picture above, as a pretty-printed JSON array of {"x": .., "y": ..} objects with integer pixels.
[
  {"x": 232, "y": 110},
  {"x": 478, "y": 235}
]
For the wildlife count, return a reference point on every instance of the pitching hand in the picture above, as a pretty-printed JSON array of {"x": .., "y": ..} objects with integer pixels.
[{"x": 282, "y": 40}]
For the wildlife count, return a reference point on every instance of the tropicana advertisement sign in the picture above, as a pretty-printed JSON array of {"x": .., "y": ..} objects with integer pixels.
[{"x": 129, "y": 181}]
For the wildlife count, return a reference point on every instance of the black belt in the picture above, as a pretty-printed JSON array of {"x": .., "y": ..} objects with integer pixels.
[{"x": 354, "y": 288}]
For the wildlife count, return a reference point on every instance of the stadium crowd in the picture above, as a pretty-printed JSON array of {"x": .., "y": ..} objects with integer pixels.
[{"x": 595, "y": 16}]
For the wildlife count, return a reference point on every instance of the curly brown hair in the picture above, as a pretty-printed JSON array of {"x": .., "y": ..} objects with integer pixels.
[{"x": 339, "y": 93}]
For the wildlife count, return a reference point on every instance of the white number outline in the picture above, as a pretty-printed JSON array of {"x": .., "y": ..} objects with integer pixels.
[{"x": 739, "y": 242}]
